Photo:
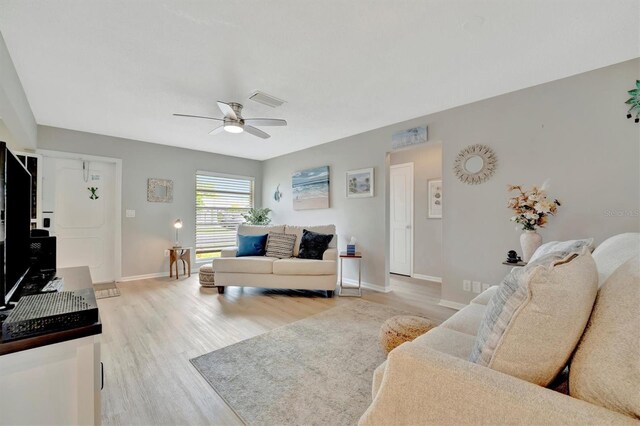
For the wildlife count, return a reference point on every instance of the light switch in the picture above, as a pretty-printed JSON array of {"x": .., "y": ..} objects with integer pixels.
[{"x": 130, "y": 213}]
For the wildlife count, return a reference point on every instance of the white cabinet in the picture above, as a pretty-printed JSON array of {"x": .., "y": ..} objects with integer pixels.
[{"x": 54, "y": 384}]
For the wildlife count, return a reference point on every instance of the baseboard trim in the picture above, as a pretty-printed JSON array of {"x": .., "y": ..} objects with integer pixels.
[
  {"x": 427, "y": 278},
  {"x": 142, "y": 277},
  {"x": 367, "y": 285},
  {"x": 148, "y": 276},
  {"x": 449, "y": 304}
]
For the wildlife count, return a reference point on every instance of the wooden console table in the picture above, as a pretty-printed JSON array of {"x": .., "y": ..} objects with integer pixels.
[{"x": 183, "y": 254}]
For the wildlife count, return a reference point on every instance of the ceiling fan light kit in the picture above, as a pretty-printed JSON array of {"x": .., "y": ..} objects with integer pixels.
[
  {"x": 233, "y": 127},
  {"x": 234, "y": 123}
]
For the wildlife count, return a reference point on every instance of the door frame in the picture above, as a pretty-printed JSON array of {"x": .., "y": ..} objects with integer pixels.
[
  {"x": 118, "y": 197},
  {"x": 391, "y": 167}
]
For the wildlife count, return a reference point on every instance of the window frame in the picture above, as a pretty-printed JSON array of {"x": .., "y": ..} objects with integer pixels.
[{"x": 252, "y": 181}]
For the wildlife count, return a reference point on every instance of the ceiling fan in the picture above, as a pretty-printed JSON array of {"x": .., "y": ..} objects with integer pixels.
[{"x": 234, "y": 123}]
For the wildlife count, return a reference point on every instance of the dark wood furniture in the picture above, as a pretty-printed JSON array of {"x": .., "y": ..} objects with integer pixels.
[
  {"x": 183, "y": 254},
  {"x": 74, "y": 279}
]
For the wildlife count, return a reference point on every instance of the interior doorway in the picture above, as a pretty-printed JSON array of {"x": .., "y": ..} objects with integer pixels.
[
  {"x": 81, "y": 207},
  {"x": 401, "y": 219},
  {"x": 414, "y": 217}
]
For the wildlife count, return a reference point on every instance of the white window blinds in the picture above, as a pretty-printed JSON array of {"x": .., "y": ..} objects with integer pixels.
[{"x": 220, "y": 203}]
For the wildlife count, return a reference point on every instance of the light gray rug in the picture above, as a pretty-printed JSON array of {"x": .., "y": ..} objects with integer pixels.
[
  {"x": 106, "y": 290},
  {"x": 316, "y": 371}
]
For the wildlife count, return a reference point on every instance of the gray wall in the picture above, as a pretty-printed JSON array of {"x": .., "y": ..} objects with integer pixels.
[
  {"x": 572, "y": 131},
  {"x": 14, "y": 107},
  {"x": 145, "y": 237},
  {"x": 427, "y": 236}
]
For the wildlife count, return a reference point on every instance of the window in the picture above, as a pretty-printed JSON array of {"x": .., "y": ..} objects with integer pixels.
[{"x": 220, "y": 202}]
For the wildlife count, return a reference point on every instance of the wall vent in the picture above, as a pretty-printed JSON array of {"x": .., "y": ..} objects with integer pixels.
[{"x": 263, "y": 98}]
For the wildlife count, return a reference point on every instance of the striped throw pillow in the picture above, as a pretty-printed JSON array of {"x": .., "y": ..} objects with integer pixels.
[{"x": 280, "y": 245}]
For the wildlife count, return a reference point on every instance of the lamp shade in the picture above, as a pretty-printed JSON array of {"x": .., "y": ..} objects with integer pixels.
[{"x": 177, "y": 224}]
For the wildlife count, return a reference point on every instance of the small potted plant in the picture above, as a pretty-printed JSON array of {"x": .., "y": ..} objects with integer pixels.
[
  {"x": 258, "y": 216},
  {"x": 532, "y": 209}
]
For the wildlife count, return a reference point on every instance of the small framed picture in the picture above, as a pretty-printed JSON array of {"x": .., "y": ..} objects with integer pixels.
[
  {"x": 360, "y": 183},
  {"x": 435, "y": 199}
]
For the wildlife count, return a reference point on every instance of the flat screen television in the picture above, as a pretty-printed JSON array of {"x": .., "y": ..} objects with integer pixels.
[{"x": 15, "y": 223}]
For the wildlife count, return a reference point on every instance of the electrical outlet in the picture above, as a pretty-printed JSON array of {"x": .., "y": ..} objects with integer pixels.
[
  {"x": 166, "y": 253},
  {"x": 477, "y": 286},
  {"x": 466, "y": 285},
  {"x": 485, "y": 286}
]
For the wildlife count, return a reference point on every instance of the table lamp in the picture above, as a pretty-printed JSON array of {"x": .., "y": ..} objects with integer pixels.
[{"x": 177, "y": 224}]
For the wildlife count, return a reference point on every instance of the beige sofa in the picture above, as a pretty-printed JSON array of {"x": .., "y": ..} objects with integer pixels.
[
  {"x": 271, "y": 272},
  {"x": 431, "y": 381}
]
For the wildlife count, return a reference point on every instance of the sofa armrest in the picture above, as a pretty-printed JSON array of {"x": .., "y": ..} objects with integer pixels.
[
  {"x": 229, "y": 252},
  {"x": 330, "y": 254},
  {"x": 423, "y": 386}
]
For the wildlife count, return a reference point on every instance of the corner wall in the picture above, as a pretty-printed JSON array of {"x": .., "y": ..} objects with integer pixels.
[
  {"x": 145, "y": 237},
  {"x": 572, "y": 131},
  {"x": 15, "y": 111},
  {"x": 427, "y": 235}
]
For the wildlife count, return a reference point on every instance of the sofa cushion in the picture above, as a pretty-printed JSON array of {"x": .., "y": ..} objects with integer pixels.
[
  {"x": 615, "y": 251},
  {"x": 566, "y": 246},
  {"x": 280, "y": 245},
  {"x": 606, "y": 366},
  {"x": 251, "y": 245},
  {"x": 245, "y": 265},
  {"x": 313, "y": 244},
  {"x": 321, "y": 229},
  {"x": 448, "y": 341},
  {"x": 467, "y": 320},
  {"x": 484, "y": 297},
  {"x": 534, "y": 321},
  {"x": 295, "y": 266}
]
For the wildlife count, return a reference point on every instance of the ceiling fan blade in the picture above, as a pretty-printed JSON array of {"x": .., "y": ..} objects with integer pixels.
[
  {"x": 265, "y": 121},
  {"x": 198, "y": 116},
  {"x": 256, "y": 132},
  {"x": 227, "y": 110},
  {"x": 217, "y": 130}
]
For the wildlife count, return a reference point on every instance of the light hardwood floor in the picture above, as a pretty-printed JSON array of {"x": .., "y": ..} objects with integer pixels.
[{"x": 152, "y": 330}]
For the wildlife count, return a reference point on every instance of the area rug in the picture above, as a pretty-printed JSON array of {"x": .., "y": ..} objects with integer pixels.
[
  {"x": 103, "y": 291},
  {"x": 316, "y": 371}
]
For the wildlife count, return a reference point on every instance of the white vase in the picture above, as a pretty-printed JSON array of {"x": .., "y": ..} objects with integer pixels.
[{"x": 530, "y": 241}]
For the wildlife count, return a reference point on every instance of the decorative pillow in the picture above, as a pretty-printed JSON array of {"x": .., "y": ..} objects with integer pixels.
[
  {"x": 562, "y": 246},
  {"x": 251, "y": 245},
  {"x": 321, "y": 229},
  {"x": 614, "y": 251},
  {"x": 280, "y": 245},
  {"x": 534, "y": 321},
  {"x": 605, "y": 369},
  {"x": 313, "y": 245}
]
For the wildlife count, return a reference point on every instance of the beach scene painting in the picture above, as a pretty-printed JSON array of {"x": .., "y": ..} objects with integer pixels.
[
  {"x": 310, "y": 188},
  {"x": 360, "y": 183},
  {"x": 409, "y": 137}
]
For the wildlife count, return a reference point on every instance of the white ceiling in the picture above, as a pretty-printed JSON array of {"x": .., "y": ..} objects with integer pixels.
[{"x": 121, "y": 68}]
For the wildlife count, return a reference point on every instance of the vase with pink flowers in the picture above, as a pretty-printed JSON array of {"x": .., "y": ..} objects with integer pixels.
[{"x": 532, "y": 208}]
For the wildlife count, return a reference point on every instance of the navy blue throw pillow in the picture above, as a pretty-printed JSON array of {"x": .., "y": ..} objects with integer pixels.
[
  {"x": 313, "y": 245},
  {"x": 252, "y": 245}
]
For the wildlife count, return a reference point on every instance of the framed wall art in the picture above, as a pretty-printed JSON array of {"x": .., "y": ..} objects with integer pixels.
[
  {"x": 360, "y": 183},
  {"x": 435, "y": 199},
  {"x": 159, "y": 190}
]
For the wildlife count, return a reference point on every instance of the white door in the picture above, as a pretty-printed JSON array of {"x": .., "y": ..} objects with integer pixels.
[
  {"x": 401, "y": 217},
  {"x": 79, "y": 198}
]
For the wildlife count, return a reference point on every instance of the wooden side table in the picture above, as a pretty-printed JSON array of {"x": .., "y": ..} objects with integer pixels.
[
  {"x": 183, "y": 254},
  {"x": 358, "y": 257}
]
